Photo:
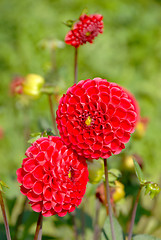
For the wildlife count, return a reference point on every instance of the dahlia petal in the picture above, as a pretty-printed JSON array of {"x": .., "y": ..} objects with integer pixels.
[
  {"x": 38, "y": 173},
  {"x": 20, "y": 175},
  {"x": 47, "y": 205},
  {"x": 30, "y": 165},
  {"x": 115, "y": 144},
  {"x": 48, "y": 193},
  {"x": 24, "y": 190},
  {"x": 28, "y": 181},
  {"x": 40, "y": 157},
  {"x": 44, "y": 145},
  {"x": 92, "y": 91},
  {"x": 37, "y": 207},
  {"x": 125, "y": 124},
  {"x": 48, "y": 213},
  {"x": 125, "y": 103},
  {"x": 115, "y": 100},
  {"x": 115, "y": 122},
  {"x": 38, "y": 187},
  {"x": 62, "y": 213},
  {"x": 105, "y": 97},
  {"x": 32, "y": 151},
  {"x": 34, "y": 197},
  {"x": 108, "y": 138},
  {"x": 58, "y": 208}
]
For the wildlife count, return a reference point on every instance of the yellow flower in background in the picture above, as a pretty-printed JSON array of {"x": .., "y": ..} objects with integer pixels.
[
  {"x": 119, "y": 192},
  {"x": 32, "y": 85}
]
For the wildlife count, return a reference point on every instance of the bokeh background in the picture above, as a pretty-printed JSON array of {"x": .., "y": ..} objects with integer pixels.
[{"x": 128, "y": 53}]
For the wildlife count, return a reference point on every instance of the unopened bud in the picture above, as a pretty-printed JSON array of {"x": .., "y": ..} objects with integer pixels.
[
  {"x": 96, "y": 170},
  {"x": 119, "y": 192}
]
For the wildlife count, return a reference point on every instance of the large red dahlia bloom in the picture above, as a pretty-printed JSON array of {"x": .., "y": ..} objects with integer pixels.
[
  {"x": 85, "y": 30},
  {"x": 96, "y": 118},
  {"x": 53, "y": 177}
]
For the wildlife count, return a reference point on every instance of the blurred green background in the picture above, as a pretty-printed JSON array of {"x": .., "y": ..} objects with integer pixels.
[{"x": 128, "y": 53}]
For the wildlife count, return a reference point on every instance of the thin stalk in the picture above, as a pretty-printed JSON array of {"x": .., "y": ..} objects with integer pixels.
[
  {"x": 83, "y": 224},
  {"x": 19, "y": 219},
  {"x": 5, "y": 217},
  {"x": 52, "y": 113},
  {"x": 74, "y": 225},
  {"x": 108, "y": 199},
  {"x": 134, "y": 214},
  {"x": 96, "y": 226},
  {"x": 38, "y": 233},
  {"x": 76, "y": 66}
]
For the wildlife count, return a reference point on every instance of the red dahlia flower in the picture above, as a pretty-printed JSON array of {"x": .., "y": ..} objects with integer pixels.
[
  {"x": 96, "y": 118},
  {"x": 85, "y": 30},
  {"x": 52, "y": 177}
]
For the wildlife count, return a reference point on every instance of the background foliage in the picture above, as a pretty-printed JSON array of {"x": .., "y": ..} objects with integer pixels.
[{"x": 128, "y": 53}]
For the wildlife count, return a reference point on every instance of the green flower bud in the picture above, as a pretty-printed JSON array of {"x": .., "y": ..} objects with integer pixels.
[{"x": 152, "y": 189}]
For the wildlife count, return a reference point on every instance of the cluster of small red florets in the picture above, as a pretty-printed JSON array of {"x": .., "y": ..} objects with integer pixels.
[{"x": 85, "y": 30}]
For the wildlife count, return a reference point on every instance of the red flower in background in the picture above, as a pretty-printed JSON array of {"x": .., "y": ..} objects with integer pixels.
[
  {"x": 85, "y": 30},
  {"x": 16, "y": 86},
  {"x": 52, "y": 177},
  {"x": 96, "y": 118}
]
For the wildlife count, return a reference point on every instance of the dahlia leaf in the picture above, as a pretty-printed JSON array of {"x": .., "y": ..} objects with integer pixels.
[
  {"x": 144, "y": 237},
  {"x": 114, "y": 174},
  {"x": 139, "y": 172},
  {"x": 106, "y": 231}
]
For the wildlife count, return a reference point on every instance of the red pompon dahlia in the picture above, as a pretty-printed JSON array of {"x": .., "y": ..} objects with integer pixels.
[
  {"x": 96, "y": 118},
  {"x": 53, "y": 177},
  {"x": 85, "y": 30}
]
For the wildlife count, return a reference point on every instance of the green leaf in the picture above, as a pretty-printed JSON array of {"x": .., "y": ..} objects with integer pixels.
[
  {"x": 138, "y": 171},
  {"x": 145, "y": 237},
  {"x": 113, "y": 175},
  {"x": 106, "y": 231}
]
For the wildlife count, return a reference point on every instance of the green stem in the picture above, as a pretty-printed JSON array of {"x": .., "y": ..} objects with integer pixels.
[
  {"x": 96, "y": 226},
  {"x": 74, "y": 225},
  {"x": 5, "y": 217},
  {"x": 108, "y": 199},
  {"x": 38, "y": 233},
  {"x": 19, "y": 219},
  {"x": 52, "y": 114},
  {"x": 76, "y": 66},
  {"x": 134, "y": 214}
]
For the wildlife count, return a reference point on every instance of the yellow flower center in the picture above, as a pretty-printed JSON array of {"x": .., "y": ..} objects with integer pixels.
[
  {"x": 88, "y": 121},
  {"x": 69, "y": 174},
  {"x": 88, "y": 34}
]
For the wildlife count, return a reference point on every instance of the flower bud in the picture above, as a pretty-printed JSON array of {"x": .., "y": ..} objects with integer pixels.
[
  {"x": 33, "y": 84},
  {"x": 152, "y": 189},
  {"x": 128, "y": 163},
  {"x": 119, "y": 192},
  {"x": 96, "y": 170}
]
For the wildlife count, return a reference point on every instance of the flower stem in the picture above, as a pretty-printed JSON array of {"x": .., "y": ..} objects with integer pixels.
[
  {"x": 19, "y": 219},
  {"x": 76, "y": 66},
  {"x": 52, "y": 114},
  {"x": 74, "y": 225},
  {"x": 108, "y": 199},
  {"x": 5, "y": 217},
  {"x": 134, "y": 214},
  {"x": 38, "y": 233},
  {"x": 96, "y": 226}
]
